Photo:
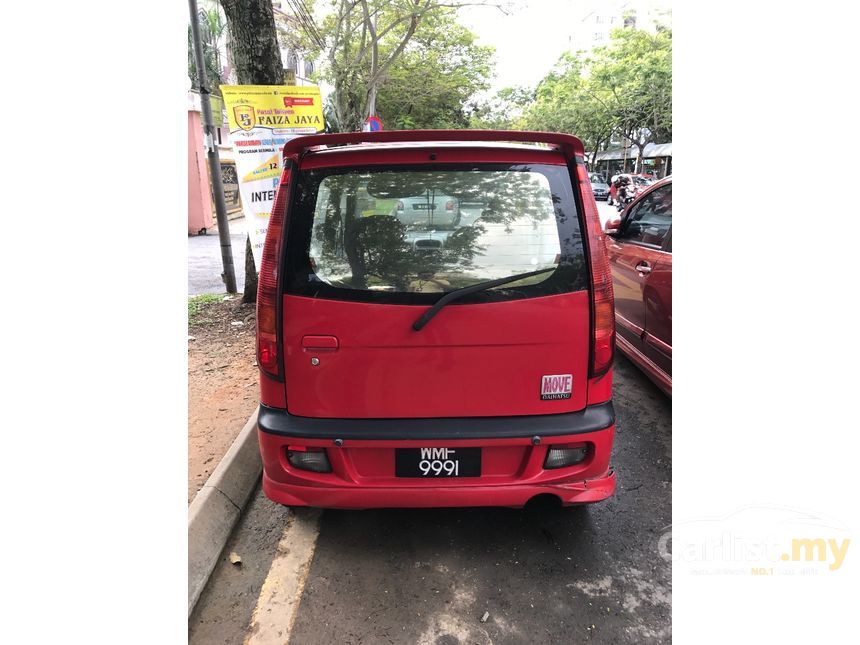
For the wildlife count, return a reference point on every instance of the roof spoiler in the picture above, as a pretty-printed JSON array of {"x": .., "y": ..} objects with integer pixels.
[{"x": 570, "y": 145}]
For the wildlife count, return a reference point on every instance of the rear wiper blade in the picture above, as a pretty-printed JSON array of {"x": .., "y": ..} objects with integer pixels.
[{"x": 456, "y": 294}]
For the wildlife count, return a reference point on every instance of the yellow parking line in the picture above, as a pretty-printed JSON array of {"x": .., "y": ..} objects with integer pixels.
[{"x": 278, "y": 602}]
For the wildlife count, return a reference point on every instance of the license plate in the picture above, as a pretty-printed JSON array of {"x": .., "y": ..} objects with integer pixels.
[
  {"x": 424, "y": 207},
  {"x": 437, "y": 462}
]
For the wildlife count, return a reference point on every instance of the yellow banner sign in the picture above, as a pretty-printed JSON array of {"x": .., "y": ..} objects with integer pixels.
[
  {"x": 285, "y": 109},
  {"x": 262, "y": 119}
]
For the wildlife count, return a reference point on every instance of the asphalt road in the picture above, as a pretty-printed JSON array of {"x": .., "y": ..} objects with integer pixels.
[
  {"x": 589, "y": 574},
  {"x": 204, "y": 260}
]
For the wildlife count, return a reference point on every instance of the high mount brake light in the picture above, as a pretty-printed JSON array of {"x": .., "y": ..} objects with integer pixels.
[
  {"x": 267, "y": 286},
  {"x": 603, "y": 301}
]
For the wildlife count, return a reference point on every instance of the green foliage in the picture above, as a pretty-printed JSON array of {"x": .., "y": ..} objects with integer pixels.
[
  {"x": 624, "y": 89},
  {"x": 411, "y": 60},
  {"x": 503, "y": 111},
  {"x": 429, "y": 85},
  {"x": 636, "y": 71},
  {"x": 568, "y": 100},
  {"x": 212, "y": 28},
  {"x": 197, "y": 304}
]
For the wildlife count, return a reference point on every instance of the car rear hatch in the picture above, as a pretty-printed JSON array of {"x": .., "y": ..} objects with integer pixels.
[{"x": 354, "y": 283}]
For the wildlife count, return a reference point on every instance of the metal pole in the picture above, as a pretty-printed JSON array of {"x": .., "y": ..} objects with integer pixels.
[
  {"x": 229, "y": 275},
  {"x": 374, "y": 62}
]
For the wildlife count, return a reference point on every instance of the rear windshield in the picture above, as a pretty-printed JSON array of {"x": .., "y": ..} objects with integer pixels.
[{"x": 408, "y": 234}]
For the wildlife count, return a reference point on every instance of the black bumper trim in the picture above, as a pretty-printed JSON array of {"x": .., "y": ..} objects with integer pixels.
[{"x": 591, "y": 419}]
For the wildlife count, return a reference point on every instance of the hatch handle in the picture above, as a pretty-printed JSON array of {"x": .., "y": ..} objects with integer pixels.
[{"x": 320, "y": 342}]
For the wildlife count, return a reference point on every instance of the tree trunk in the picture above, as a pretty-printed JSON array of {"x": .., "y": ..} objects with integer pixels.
[
  {"x": 256, "y": 52},
  {"x": 597, "y": 144},
  {"x": 641, "y": 148},
  {"x": 374, "y": 69},
  {"x": 257, "y": 57},
  {"x": 353, "y": 253},
  {"x": 250, "y": 293}
]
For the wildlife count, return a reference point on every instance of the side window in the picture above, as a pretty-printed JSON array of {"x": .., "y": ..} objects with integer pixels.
[{"x": 649, "y": 222}]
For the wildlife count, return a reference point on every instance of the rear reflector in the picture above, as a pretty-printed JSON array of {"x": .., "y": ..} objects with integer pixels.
[
  {"x": 313, "y": 459},
  {"x": 559, "y": 457}
]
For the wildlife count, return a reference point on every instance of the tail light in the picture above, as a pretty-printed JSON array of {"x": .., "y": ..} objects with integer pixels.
[
  {"x": 603, "y": 302},
  {"x": 399, "y": 205},
  {"x": 267, "y": 286},
  {"x": 449, "y": 205}
]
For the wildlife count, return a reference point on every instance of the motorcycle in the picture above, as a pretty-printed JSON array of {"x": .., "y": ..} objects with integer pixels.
[{"x": 629, "y": 195}]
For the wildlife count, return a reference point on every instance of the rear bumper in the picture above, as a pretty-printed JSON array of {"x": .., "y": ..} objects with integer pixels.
[
  {"x": 276, "y": 421},
  {"x": 363, "y": 469},
  {"x": 515, "y": 496}
]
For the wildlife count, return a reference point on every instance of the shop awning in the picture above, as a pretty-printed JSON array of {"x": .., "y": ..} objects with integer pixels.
[{"x": 652, "y": 150}]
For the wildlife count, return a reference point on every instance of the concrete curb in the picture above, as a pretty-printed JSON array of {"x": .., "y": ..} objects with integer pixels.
[{"x": 217, "y": 506}]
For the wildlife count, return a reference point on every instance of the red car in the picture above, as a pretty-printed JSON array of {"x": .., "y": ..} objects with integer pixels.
[
  {"x": 435, "y": 323},
  {"x": 639, "y": 246}
]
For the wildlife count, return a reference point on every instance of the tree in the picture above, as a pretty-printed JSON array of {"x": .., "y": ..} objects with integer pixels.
[
  {"x": 635, "y": 74},
  {"x": 568, "y": 100},
  {"x": 212, "y": 28},
  {"x": 257, "y": 58},
  {"x": 361, "y": 40},
  {"x": 503, "y": 111},
  {"x": 429, "y": 85},
  {"x": 624, "y": 89},
  {"x": 256, "y": 53}
]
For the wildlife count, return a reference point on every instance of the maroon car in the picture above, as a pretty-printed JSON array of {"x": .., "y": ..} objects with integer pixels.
[{"x": 639, "y": 247}]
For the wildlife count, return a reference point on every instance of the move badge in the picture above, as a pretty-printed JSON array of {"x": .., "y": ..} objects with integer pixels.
[{"x": 556, "y": 386}]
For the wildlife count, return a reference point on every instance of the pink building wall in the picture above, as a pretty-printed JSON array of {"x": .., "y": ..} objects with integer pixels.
[{"x": 199, "y": 188}]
